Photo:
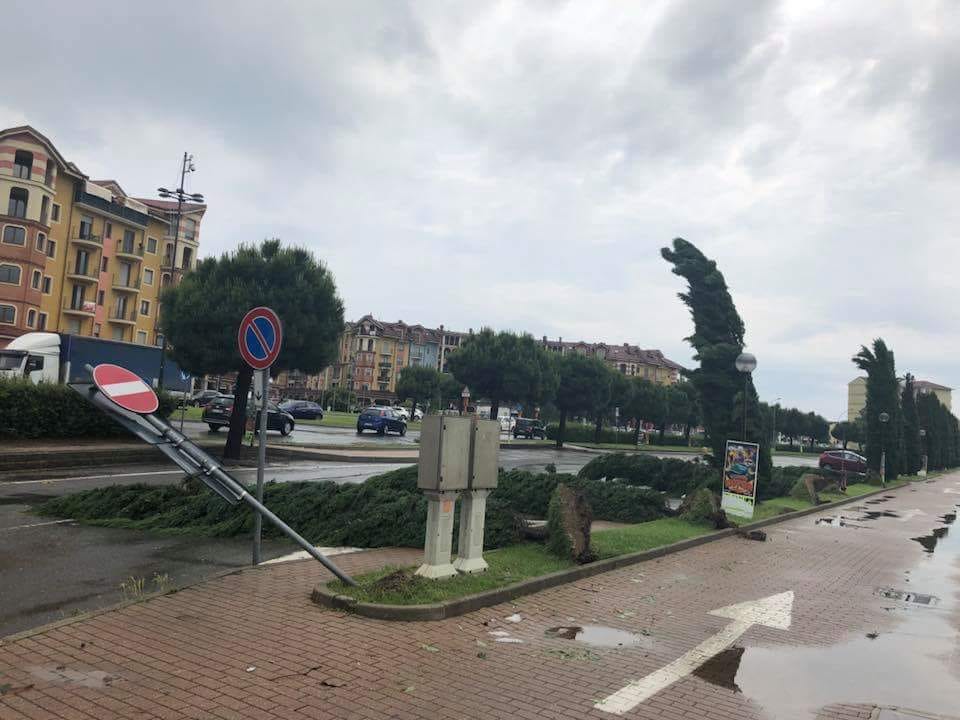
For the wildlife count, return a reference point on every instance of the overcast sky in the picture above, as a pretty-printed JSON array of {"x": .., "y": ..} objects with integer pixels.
[{"x": 520, "y": 165}]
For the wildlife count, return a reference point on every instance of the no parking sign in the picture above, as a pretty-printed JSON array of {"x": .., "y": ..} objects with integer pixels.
[{"x": 260, "y": 337}]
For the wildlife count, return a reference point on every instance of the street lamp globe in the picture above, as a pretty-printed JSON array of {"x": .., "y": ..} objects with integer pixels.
[
  {"x": 746, "y": 363},
  {"x": 884, "y": 417}
]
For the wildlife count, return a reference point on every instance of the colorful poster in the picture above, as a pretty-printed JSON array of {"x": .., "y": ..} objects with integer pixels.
[{"x": 740, "y": 478}]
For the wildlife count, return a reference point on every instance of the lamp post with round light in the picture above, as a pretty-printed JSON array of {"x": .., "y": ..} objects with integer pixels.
[
  {"x": 745, "y": 363},
  {"x": 923, "y": 441},
  {"x": 884, "y": 418}
]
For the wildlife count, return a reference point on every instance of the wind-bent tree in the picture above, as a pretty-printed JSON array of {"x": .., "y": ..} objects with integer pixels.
[
  {"x": 584, "y": 388},
  {"x": 912, "y": 449},
  {"x": 717, "y": 340},
  {"x": 503, "y": 367},
  {"x": 883, "y": 397},
  {"x": 418, "y": 383},
  {"x": 201, "y": 316}
]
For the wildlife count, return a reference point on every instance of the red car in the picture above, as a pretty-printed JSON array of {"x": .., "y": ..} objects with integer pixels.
[{"x": 843, "y": 460}]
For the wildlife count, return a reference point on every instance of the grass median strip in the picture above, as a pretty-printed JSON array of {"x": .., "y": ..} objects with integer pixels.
[{"x": 399, "y": 586}]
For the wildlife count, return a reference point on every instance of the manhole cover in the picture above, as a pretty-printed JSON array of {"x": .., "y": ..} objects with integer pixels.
[{"x": 906, "y": 596}]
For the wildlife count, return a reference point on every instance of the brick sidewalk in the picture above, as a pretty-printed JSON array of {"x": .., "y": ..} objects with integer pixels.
[{"x": 190, "y": 654}]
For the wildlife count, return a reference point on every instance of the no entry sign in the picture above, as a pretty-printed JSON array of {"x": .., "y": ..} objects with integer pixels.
[
  {"x": 260, "y": 337},
  {"x": 125, "y": 389}
]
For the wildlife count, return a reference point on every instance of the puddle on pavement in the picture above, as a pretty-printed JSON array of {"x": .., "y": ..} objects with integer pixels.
[
  {"x": 721, "y": 669},
  {"x": 915, "y": 663},
  {"x": 837, "y": 521},
  {"x": 930, "y": 541},
  {"x": 874, "y": 514},
  {"x": 598, "y": 636}
]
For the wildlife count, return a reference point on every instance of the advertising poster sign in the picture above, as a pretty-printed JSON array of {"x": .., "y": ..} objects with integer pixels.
[{"x": 740, "y": 478}]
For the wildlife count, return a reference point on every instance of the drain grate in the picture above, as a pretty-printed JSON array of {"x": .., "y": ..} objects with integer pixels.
[{"x": 906, "y": 596}]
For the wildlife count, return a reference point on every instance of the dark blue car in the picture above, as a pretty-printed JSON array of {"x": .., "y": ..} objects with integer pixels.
[{"x": 382, "y": 420}]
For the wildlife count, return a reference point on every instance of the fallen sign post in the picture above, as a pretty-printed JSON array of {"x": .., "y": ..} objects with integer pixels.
[
  {"x": 129, "y": 401},
  {"x": 774, "y": 611},
  {"x": 259, "y": 339}
]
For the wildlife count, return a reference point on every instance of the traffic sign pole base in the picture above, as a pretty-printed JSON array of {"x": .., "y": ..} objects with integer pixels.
[
  {"x": 473, "y": 508},
  {"x": 436, "y": 550}
]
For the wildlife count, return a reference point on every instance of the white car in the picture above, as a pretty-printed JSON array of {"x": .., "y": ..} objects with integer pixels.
[{"x": 401, "y": 412}]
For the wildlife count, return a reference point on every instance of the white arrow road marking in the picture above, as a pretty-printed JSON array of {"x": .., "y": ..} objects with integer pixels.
[
  {"x": 907, "y": 514},
  {"x": 774, "y": 611},
  {"x": 951, "y": 491}
]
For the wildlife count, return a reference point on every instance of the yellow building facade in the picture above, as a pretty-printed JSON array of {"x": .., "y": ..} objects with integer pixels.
[{"x": 93, "y": 260}]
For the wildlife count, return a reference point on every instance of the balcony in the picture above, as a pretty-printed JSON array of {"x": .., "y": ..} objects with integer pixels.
[
  {"x": 83, "y": 236},
  {"x": 126, "y": 284},
  {"x": 116, "y": 209},
  {"x": 129, "y": 251},
  {"x": 123, "y": 317},
  {"x": 83, "y": 273},
  {"x": 83, "y": 309}
]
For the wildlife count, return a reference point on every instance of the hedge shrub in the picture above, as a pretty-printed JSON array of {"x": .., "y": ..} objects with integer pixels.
[
  {"x": 55, "y": 411},
  {"x": 578, "y": 433},
  {"x": 671, "y": 475},
  {"x": 530, "y": 494}
]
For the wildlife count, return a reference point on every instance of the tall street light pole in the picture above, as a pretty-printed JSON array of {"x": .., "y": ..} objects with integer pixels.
[
  {"x": 745, "y": 363},
  {"x": 181, "y": 196},
  {"x": 884, "y": 418}
]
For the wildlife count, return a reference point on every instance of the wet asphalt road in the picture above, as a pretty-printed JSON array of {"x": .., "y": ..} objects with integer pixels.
[{"x": 51, "y": 569}]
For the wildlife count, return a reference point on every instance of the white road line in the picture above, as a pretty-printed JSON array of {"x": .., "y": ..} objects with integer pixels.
[
  {"x": 94, "y": 477},
  {"x": 774, "y": 611},
  {"x": 907, "y": 514},
  {"x": 24, "y": 527}
]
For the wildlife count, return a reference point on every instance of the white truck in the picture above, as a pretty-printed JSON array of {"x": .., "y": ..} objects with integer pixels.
[{"x": 62, "y": 358}]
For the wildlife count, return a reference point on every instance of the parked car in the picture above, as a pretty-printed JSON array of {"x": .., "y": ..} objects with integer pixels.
[
  {"x": 382, "y": 420},
  {"x": 201, "y": 398},
  {"x": 529, "y": 428},
  {"x": 302, "y": 409},
  {"x": 843, "y": 460},
  {"x": 218, "y": 412},
  {"x": 402, "y": 413}
]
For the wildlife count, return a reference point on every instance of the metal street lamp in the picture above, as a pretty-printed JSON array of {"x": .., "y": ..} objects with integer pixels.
[
  {"x": 884, "y": 418},
  {"x": 923, "y": 441},
  {"x": 745, "y": 363},
  {"x": 775, "y": 438},
  {"x": 180, "y": 196}
]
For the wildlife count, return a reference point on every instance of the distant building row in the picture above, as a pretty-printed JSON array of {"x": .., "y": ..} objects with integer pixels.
[
  {"x": 857, "y": 395},
  {"x": 372, "y": 353}
]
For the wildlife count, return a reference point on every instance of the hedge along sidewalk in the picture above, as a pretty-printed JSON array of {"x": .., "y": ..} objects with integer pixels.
[{"x": 324, "y": 595}]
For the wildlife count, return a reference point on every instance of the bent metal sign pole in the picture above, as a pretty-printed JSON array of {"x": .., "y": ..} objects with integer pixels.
[
  {"x": 259, "y": 339},
  {"x": 129, "y": 401}
]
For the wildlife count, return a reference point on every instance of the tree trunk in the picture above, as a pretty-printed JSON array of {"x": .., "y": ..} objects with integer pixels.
[
  {"x": 494, "y": 409},
  {"x": 636, "y": 432},
  {"x": 663, "y": 429},
  {"x": 598, "y": 428},
  {"x": 563, "y": 427},
  {"x": 238, "y": 418},
  {"x": 686, "y": 435}
]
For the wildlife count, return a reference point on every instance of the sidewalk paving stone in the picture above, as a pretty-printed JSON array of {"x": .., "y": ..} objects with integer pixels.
[{"x": 190, "y": 654}]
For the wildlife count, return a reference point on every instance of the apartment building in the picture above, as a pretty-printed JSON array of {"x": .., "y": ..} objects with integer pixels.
[
  {"x": 627, "y": 359},
  {"x": 857, "y": 395},
  {"x": 81, "y": 256}
]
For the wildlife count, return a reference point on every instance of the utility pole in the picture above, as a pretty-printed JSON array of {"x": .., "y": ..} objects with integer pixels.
[{"x": 180, "y": 195}]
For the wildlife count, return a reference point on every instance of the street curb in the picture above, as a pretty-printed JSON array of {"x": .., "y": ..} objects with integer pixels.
[
  {"x": 323, "y": 595},
  {"x": 331, "y": 456}
]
